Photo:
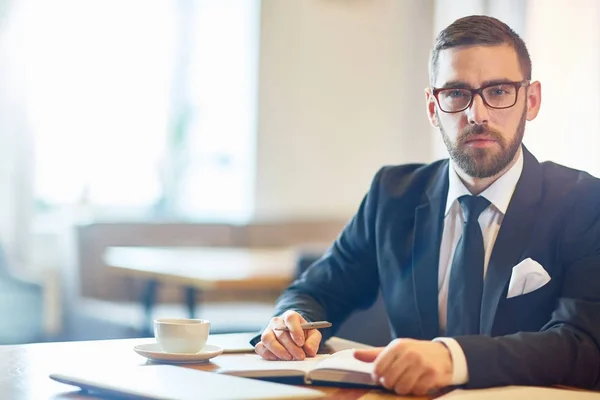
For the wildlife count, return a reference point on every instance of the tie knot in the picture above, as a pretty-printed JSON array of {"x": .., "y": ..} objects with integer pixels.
[{"x": 473, "y": 206}]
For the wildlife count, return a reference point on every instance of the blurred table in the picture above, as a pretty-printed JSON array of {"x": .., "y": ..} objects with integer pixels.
[
  {"x": 24, "y": 369},
  {"x": 202, "y": 268}
]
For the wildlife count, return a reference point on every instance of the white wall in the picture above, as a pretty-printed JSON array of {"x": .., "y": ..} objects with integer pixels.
[
  {"x": 566, "y": 60},
  {"x": 340, "y": 94}
]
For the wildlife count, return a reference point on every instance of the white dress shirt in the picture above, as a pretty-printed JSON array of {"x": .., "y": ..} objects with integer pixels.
[{"x": 498, "y": 194}]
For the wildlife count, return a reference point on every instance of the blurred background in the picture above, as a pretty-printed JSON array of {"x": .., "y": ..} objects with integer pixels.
[{"x": 226, "y": 124}]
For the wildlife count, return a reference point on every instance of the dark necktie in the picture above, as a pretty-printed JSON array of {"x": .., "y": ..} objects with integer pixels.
[{"x": 466, "y": 274}]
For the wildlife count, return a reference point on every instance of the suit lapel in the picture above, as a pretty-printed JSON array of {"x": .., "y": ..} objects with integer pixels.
[
  {"x": 512, "y": 238},
  {"x": 429, "y": 222}
]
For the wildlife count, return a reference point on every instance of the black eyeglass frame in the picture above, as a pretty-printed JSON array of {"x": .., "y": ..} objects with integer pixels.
[{"x": 516, "y": 85}]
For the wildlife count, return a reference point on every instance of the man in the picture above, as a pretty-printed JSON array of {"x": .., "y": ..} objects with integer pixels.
[{"x": 488, "y": 263}]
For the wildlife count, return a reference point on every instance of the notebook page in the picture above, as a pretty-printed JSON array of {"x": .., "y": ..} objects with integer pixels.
[
  {"x": 254, "y": 362},
  {"x": 344, "y": 360}
]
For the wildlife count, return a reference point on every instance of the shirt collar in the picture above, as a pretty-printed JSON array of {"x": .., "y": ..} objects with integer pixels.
[{"x": 498, "y": 193}]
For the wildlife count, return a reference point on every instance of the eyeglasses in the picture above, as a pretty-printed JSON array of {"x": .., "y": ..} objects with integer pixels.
[{"x": 498, "y": 96}]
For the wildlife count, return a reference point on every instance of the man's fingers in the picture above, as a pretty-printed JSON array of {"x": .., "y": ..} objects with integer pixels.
[
  {"x": 272, "y": 344},
  {"x": 292, "y": 340},
  {"x": 367, "y": 355},
  {"x": 424, "y": 384},
  {"x": 312, "y": 342},
  {"x": 293, "y": 320},
  {"x": 286, "y": 340},
  {"x": 265, "y": 353},
  {"x": 405, "y": 381},
  {"x": 394, "y": 373},
  {"x": 289, "y": 344},
  {"x": 385, "y": 359}
]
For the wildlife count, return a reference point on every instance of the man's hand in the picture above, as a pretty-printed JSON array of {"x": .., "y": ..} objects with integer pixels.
[
  {"x": 295, "y": 344},
  {"x": 409, "y": 366}
]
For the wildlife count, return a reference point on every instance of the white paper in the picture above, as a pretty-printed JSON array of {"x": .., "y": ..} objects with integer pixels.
[
  {"x": 254, "y": 362},
  {"x": 344, "y": 360}
]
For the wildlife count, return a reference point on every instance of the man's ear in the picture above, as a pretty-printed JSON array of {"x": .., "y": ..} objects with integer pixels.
[
  {"x": 534, "y": 100},
  {"x": 431, "y": 108}
]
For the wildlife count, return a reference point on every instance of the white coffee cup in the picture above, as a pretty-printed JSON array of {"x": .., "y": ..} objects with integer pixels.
[{"x": 181, "y": 335}]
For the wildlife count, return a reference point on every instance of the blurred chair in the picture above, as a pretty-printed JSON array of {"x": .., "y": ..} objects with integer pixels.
[
  {"x": 370, "y": 326},
  {"x": 21, "y": 308}
]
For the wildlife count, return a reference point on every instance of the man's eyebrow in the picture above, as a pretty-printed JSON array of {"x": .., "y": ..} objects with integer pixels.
[
  {"x": 458, "y": 84},
  {"x": 497, "y": 82}
]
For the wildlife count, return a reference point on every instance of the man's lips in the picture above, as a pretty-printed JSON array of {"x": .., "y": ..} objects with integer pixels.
[{"x": 480, "y": 141}]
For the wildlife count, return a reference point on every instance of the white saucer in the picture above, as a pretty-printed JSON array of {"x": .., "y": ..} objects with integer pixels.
[{"x": 153, "y": 352}]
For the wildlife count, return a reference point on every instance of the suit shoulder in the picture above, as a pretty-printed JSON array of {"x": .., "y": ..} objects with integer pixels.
[
  {"x": 413, "y": 178},
  {"x": 578, "y": 189},
  {"x": 564, "y": 179}
]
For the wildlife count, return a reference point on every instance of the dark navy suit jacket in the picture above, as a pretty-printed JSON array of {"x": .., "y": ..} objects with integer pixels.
[{"x": 548, "y": 336}]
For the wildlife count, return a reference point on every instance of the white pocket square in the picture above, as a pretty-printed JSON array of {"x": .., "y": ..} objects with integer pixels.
[{"x": 527, "y": 276}]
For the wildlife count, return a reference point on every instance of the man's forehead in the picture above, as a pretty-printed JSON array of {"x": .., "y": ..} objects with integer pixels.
[{"x": 478, "y": 63}]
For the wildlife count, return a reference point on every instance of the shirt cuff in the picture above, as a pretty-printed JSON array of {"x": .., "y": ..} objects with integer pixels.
[{"x": 460, "y": 371}]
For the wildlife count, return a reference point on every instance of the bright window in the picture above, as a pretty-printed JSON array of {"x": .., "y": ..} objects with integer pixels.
[{"x": 142, "y": 108}]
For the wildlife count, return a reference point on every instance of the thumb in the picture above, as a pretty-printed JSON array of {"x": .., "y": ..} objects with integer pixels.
[{"x": 367, "y": 355}]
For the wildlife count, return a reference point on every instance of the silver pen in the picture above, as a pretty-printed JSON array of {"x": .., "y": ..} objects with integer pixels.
[{"x": 308, "y": 325}]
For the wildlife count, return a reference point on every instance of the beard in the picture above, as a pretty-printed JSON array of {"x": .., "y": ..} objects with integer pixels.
[{"x": 484, "y": 163}]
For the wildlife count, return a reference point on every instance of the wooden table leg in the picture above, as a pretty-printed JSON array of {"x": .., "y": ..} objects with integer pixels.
[
  {"x": 191, "y": 297},
  {"x": 148, "y": 300}
]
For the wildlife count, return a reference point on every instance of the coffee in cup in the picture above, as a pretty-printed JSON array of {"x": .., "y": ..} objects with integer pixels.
[{"x": 181, "y": 335}]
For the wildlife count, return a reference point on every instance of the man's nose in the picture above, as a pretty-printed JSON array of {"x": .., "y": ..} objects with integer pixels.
[{"x": 478, "y": 113}]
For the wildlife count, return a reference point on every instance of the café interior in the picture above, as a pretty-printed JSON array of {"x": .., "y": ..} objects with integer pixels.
[{"x": 191, "y": 158}]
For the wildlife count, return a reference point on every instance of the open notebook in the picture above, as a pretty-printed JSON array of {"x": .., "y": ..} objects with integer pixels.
[{"x": 340, "y": 368}]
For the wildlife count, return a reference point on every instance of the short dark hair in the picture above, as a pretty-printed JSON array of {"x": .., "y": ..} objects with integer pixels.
[{"x": 478, "y": 30}]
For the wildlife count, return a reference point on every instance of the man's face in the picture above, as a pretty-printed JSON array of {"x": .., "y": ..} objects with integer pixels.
[{"x": 482, "y": 141}]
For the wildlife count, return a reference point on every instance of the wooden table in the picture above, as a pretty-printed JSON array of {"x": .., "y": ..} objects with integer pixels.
[
  {"x": 24, "y": 369},
  {"x": 202, "y": 268}
]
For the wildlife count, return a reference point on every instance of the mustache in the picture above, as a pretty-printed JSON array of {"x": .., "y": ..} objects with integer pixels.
[{"x": 475, "y": 130}]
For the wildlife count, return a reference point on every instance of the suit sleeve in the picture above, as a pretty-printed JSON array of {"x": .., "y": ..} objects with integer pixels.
[
  {"x": 566, "y": 351},
  {"x": 345, "y": 278}
]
